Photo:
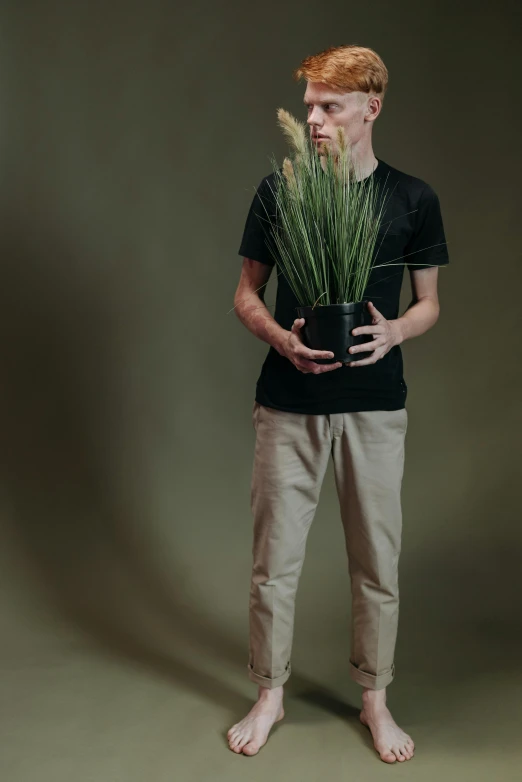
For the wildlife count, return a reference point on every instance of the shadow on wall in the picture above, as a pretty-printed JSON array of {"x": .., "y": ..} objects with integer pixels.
[
  {"x": 74, "y": 463},
  {"x": 78, "y": 493}
]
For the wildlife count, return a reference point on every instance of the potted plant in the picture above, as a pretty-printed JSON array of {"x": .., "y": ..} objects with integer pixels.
[{"x": 324, "y": 232}]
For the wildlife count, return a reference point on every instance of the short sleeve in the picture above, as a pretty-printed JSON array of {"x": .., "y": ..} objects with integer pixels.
[
  {"x": 427, "y": 245},
  {"x": 257, "y": 226}
]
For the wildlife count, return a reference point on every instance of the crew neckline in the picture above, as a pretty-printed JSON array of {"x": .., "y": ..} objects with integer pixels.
[{"x": 377, "y": 167}]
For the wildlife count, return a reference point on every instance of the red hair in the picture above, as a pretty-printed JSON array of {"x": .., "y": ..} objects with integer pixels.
[{"x": 346, "y": 69}]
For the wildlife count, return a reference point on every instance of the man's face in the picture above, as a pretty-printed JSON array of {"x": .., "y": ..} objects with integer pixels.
[{"x": 327, "y": 110}]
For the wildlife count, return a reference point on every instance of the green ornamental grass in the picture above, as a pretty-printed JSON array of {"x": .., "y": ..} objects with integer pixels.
[{"x": 326, "y": 222}]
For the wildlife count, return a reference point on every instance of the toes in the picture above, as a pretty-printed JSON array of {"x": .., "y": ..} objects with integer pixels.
[
  {"x": 250, "y": 749},
  {"x": 242, "y": 742},
  {"x": 235, "y": 741},
  {"x": 408, "y": 748},
  {"x": 388, "y": 756}
]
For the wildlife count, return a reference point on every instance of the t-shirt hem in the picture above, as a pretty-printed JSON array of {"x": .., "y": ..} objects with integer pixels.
[{"x": 345, "y": 405}]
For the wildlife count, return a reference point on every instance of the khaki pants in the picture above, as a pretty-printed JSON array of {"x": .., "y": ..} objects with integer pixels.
[{"x": 291, "y": 457}]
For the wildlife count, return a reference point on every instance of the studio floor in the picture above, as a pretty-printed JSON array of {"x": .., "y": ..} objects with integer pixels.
[{"x": 111, "y": 712}]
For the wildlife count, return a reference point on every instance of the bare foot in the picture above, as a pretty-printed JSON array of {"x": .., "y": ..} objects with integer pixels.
[
  {"x": 390, "y": 741},
  {"x": 249, "y": 735}
]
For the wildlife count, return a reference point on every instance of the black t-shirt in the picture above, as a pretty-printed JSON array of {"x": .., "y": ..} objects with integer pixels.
[{"x": 414, "y": 232}]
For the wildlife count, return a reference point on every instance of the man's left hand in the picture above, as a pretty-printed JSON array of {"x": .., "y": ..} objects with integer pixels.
[{"x": 386, "y": 334}]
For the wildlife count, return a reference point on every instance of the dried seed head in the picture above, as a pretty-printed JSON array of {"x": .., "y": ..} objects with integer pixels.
[
  {"x": 342, "y": 141},
  {"x": 293, "y": 130},
  {"x": 289, "y": 174}
]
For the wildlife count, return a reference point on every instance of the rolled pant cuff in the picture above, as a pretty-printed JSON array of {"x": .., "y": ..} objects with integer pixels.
[
  {"x": 264, "y": 681},
  {"x": 371, "y": 681}
]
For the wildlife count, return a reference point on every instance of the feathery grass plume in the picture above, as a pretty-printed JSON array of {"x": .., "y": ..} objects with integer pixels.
[
  {"x": 294, "y": 131},
  {"x": 288, "y": 171},
  {"x": 346, "y": 162}
]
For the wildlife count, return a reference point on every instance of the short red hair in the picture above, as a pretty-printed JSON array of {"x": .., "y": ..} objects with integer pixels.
[{"x": 349, "y": 68}]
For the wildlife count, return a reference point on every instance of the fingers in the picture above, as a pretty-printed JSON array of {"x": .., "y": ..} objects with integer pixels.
[
  {"x": 374, "y": 312},
  {"x": 304, "y": 353},
  {"x": 364, "y": 346},
  {"x": 301, "y": 349},
  {"x": 367, "y": 330},
  {"x": 310, "y": 367},
  {"x": 307, "y": 353},
  {"x": 364, "y": 361},
  {"x": 311, "y": 354}
]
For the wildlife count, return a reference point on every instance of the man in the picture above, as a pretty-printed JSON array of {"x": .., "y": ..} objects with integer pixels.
[{"x": 304, "y": 411}]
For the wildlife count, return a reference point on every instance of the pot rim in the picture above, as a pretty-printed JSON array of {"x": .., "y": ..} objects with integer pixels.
[{"x": 325, "y": 310}]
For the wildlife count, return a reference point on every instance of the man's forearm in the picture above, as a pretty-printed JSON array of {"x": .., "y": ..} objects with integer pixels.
[
  {"x": 418, "y": 318},
  {"x": 253, "y": 313}
]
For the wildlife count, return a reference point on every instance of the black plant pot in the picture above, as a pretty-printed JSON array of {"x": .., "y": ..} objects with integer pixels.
[{"x": 329, "y": 327}]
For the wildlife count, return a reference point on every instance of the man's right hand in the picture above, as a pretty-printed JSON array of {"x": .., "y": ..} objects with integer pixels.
[{"x": 302, "y": 357}]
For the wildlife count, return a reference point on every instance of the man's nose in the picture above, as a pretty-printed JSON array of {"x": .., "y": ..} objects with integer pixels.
[{"x": 311, "y": 118}]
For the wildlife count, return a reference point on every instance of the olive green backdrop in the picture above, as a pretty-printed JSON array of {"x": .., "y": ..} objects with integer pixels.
[{"x": 132, "y": 136}]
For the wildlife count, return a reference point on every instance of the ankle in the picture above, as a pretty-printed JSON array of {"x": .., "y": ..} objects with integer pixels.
[
  {"x": 269, "y": 694},
  {"x": 374, "y": 699}
]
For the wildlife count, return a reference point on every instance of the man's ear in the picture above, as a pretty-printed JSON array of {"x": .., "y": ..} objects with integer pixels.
[{"x": 373, "y": 108}]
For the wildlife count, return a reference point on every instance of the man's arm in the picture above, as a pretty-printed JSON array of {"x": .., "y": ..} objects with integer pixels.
[
  {"x": 250, "y": 306},
  {"x": 252, "y": 312},
  {"x": 420, "y": 316},
  {"x": 423, "y": 312}
]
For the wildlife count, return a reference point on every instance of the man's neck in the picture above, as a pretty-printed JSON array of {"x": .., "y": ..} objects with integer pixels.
[{"x": 365, "y": 165}]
